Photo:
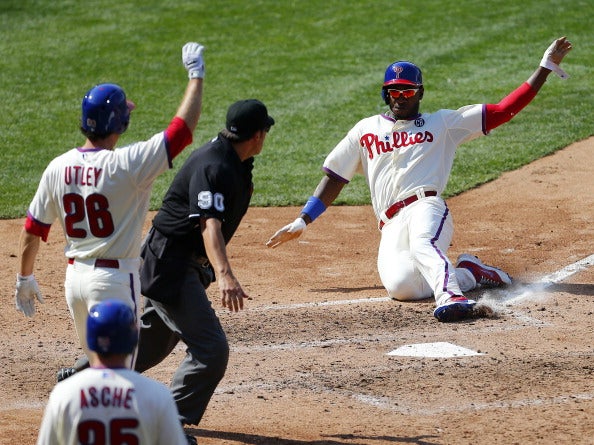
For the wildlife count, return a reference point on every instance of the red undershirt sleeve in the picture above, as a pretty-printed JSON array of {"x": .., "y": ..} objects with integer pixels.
[
  {"x": 37, "y": 228},
  {"x": 512, "y": 104},
  {"x": 178, "y": 136}
]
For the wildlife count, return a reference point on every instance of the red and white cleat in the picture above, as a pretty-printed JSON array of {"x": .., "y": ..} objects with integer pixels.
[{"x": 487, "y": 276}]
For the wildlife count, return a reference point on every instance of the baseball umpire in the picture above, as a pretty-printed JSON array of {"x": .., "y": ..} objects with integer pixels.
[
  {"x": 185, "y": 251},
  {"x": 406, "y": 157},
  {"x": 100, "y": 195},
  {"x": 108, "y": 400}
]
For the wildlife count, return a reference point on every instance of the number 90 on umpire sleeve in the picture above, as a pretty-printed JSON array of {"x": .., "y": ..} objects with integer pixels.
[{"x": 208, "y": 200}]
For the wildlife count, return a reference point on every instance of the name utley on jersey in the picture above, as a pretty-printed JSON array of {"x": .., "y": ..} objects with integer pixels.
[
  {"x": 101, "y": 197},
  {"x": 399, "y": 157},
  {"x": 110, "y": 406}
]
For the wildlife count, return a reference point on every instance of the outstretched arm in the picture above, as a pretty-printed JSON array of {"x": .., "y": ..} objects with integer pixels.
[
  {"x": 191, "y": 105},
  {"x": 326, "y": 192},
  {"x": 181, "y": 129},
  {"x": 513, "y": 103}
]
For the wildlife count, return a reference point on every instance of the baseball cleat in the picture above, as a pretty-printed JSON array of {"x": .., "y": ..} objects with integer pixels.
[
  {"x": 455, "y": 309},
  {"x": 64, "y": 373},
  {"x": 484, "y": 275}
]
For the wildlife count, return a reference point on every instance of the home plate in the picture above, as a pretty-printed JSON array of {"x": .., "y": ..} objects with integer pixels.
[{"x": 439, "y": 349}]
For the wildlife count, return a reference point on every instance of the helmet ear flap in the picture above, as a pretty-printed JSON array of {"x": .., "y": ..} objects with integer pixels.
[{"x": 385, "y": 96}]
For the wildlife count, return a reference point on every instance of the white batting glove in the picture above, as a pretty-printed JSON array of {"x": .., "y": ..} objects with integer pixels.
[
  {"x": 554, "y": 55},
  {"x": 193, "y": 61},
  {"x": 287, "y": 233},
  {"x": 26, "y": 292}
]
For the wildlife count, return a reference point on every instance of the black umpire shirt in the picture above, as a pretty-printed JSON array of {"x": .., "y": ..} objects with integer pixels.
[{"x": 212, "y": 183}]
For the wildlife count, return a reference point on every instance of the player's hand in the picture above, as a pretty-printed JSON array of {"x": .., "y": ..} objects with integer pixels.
[
  {"x": 554, "y": 55},
  {"x": 26, "y": 292},
  {"x": 287, "y": 233},
  {"x": 232, "y": 294},
  {"x": 193, "y": 60}
]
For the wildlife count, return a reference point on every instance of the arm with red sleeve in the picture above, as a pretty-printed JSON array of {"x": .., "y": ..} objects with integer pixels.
[
  {"x": 180, "y": 130},
  {"x": 510, "y": 105},
  {"x": 513, "y": 103},
  {"x": 178, "y": 136},
  {"x": 182, "y": 126}
]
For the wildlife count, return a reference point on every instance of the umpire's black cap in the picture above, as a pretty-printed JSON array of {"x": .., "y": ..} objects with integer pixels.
[{"x": 245, "y": 117}]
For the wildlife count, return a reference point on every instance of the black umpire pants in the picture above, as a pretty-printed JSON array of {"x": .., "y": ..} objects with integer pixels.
[{"x": 192, "y": 320}]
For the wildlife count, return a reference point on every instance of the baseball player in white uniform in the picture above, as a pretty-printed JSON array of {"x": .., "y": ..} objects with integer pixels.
[
  {"x": 406, "y": 157},
  {"x": 109, "y": 403},
  {"x": 100, "y": 196}
]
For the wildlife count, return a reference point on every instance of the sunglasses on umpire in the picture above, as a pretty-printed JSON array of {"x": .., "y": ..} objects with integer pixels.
[{"x": 407, "y": 94}]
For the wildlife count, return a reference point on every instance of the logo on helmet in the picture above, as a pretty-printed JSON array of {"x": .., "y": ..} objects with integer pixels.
[
  {"x": 91, "y": 123},
  {"x": 398, "y": 69}
]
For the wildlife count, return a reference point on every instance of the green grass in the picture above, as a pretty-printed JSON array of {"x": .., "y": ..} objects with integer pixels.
[{"x": 318, "y": 66}]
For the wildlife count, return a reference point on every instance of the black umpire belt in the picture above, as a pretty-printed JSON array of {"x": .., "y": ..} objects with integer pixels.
[{"x": 393, "y": 210}]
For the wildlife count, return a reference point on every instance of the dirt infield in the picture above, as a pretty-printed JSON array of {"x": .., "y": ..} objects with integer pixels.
[{"x": 309, "y": 355}]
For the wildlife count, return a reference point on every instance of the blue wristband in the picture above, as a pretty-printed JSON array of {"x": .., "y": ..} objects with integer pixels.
[{"x": 313, "y": 208}]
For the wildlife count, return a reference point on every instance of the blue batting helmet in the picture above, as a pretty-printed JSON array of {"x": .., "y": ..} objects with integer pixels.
[
  {"x": 105, "y": 110},
  {"x": 403, "y": 73},
  {"x": 111, "y": 328}
]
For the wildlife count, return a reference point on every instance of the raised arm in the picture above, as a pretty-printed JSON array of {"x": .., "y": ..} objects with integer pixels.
[
  {"x": 191, "y": 105},
  {"x": 513, "y": 103},
  {"x": 181, "y": 129}
]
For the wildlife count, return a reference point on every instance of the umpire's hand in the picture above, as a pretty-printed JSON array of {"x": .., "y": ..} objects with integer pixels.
[{"x": 232, "y": 294}]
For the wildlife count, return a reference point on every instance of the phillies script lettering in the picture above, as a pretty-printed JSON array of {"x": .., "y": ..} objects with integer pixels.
[
  {"x": 372, "y": 143},
  {"x": 81, "y": 175}
]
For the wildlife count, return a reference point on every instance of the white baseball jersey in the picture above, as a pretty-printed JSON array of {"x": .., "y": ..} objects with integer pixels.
[
  {"x": 101, "y": 197},
  {"x": 399, "y": 157},
  {"x": 109, "y": 407}
]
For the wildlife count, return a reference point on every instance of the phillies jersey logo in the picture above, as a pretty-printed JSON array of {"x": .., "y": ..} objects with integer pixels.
[{"x": 375, "y": 146}]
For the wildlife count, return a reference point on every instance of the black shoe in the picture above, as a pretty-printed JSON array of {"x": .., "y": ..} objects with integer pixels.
[
  {"x": 191, "y": 440},
  {"x": 64, "y": 373}
]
